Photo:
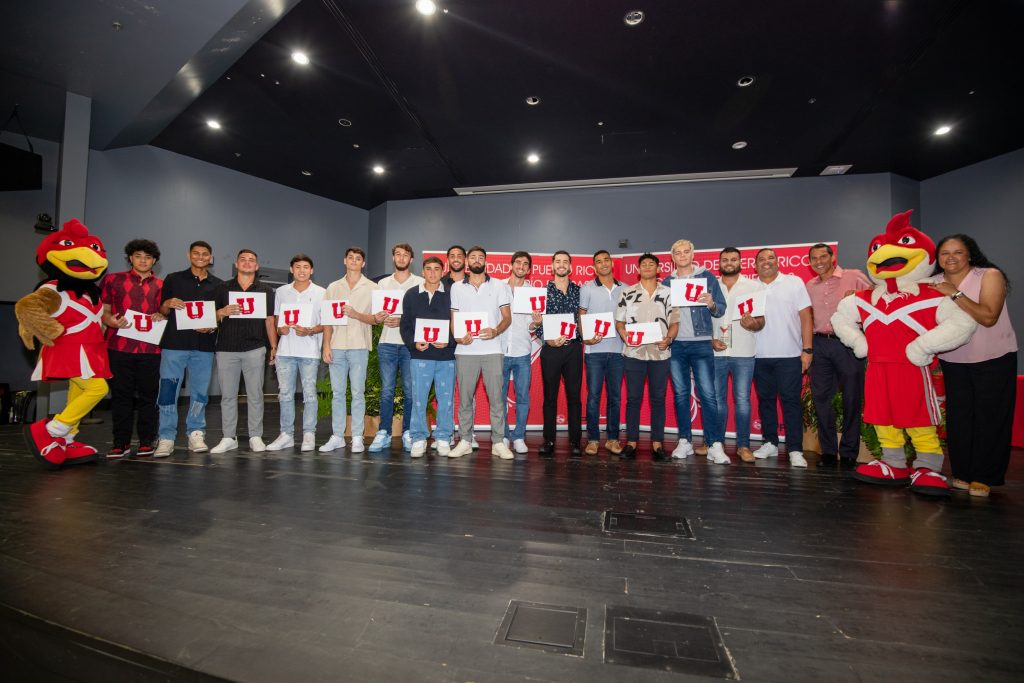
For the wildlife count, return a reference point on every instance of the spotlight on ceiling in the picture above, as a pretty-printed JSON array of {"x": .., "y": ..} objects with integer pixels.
[
  {"x": 307, "y": 173},
  {"x": 533, "y": 101},
  {"x": 745, "y": 81},
  {"x": 425, "y": 7},
  {"x": 739, "y": 144},
  {"x": 300, "y": 58},
  {"x": 533, "y": 157},
  {"x": 942, "y": 130},
  {"x": 378, "y": 169},
  {"x": 213, "y": 123},
  {"x": 633, "y": 18}
]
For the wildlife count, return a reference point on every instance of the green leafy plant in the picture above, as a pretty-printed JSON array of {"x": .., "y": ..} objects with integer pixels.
[{"x": 324, "y": 393}]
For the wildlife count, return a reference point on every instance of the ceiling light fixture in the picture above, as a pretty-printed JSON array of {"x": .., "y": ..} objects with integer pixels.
[
  {"x": 345, "y": 123},
  {"x": 633, "y": 18},
  {"x": 425, "y": 7},
  {"x": 300, "y": 58},
  {"x": 307, "y": 173},
  {"x": 600, "y": 123},
  {"x": 117, "y": 26},
  {"x": 213, "y": 123},
  {"x": 378, "y": 169},
  {"x": 533, "y": 157},
  {"x": 533, "y": 101},
  {"x": 355, "y": 146},
  {"x": 745, "y": 81},
  {"x": 739, "y": 144},
  {"x": 942, "y": 130},
  {"x": 838, "y": 169}
]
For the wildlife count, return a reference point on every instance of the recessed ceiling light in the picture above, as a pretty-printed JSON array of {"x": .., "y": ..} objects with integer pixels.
[
  {"x": 307, "y": 173},
  {"x": 355, "y": 146},
  {"x": 633, "y": 18},
  {"x": 533, "y": 157},
  {"x": 263, "y": 75},
  {"x": 745, "y": 81},
  {"x": 533, "y": 101},
  {"x": 812, "y": 100},
  {"x": 445, "y": 10},
  {"x": 942, "y": 130},
  {"x": 238, "y": 154},
  {"x": 600, "y": 123},
  {"x": 213, "y": 123},
  {"x": 739, "y": 144},
  {"x": 425, "y": 7},
  {"x": 300, "y": 58},
  {"x": 117, "y": 26},
  {"x": 344, "y": 122},
  {"x": 378, "y": 169}
]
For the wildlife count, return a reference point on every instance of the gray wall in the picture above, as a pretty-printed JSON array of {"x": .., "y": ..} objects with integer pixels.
[
  {"x": 848, "y": 209},
  {"x": 986, "y": 201}
]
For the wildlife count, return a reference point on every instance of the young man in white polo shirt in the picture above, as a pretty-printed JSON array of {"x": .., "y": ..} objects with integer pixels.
[
  {"x": 734, "y": 344},
  {"x": 393, "y": 356},
  {"x": 482, "y": 354},
  {"x": 784, "y": 353},
  {"x": 298, "y": 354}
]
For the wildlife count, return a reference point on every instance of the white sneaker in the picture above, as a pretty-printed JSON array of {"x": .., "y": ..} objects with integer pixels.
[
  {"x": 520, "y": 446},
  {"x": 473, "y": 443},
  {"x": 196, "y": 442},
  {"x": 443, "y": 448},
  {"x": 407, "y": 441},
  {"x": 333, "y": 444},
  {"x": 224, "y": 446},
  {"x": 501, "y": 450},
  {"x": 381, "y": 440},
  {"x": 358, "y": 445},
  {"x": 461, "y": 449},
  {"x": 282, "y": 442},
  {"x": 683, "y": 449},
  {"x": 505, "y": 441},
  {"x": 716, "y": 454},
  {"x": 419, "y": 448},
  {"x": 308, "y": 441},
  {"x": 164, "y": 448},
  {"x": 797, "y": 459},
  {"x": 256, "y": 444},
  {"x": 767, "y": 450}
]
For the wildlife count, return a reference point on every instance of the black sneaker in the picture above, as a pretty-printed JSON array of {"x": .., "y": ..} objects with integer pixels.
[
  {"x": 547, "y": 450},
  {"x": 118, "y": 452},
  {"x": 145, "y": 451},
  {"x": 828, "y": 460},
  {"x": 659, "y": 455},
  {"x": 575, "y": 451},
  {"x": 628, "y": 452}
]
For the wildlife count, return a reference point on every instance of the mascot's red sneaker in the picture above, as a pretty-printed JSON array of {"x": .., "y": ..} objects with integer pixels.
[
  {"x": 877, "y": 472},
  {"x": 78, "y": 452},
  {"x": 47, "y": 449},
  {"x": 929, "y": 483}
]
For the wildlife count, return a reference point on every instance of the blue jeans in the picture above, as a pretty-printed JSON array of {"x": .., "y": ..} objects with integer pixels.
[
  {"x": 345, "y": 365},
  {"x": 440, "y": 373},
  {"x": 173, "y": 364},
  {"x": 287, "y": 369},
  {"x": 604, "y": 368},
  {"x": 699, "y": 357},
  {"x": 520, "y": 368},
  {"x": 391, "y": 358},
  {"x": 742, "y": 371}
]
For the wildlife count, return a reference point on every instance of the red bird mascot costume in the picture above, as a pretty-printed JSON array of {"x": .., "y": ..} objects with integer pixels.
[
  {"x": 900, "y": 325},
  {"x": 64, "y": 314}
]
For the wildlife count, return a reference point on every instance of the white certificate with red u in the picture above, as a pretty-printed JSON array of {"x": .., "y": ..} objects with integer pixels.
[
  {"x": 250, "y": 304},
  {"x": 197, "y": 315},
  {"x": 387, "y": 300},
  {"x": 638, "y": 334},
  {"x": 142, "y": 327},
  {"x": 431, "y": 331},
  {"x": 293, "y": 315},
  {"x": 594, "y": 324},
  {"x": 332, "y": 312},
  {"x": 529, "y": 299},
  {"x": 470, "y": 322}
]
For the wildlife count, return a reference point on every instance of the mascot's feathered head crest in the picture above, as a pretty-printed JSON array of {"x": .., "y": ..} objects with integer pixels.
[
  {"x": 73, "y": 257},
  {"x": 900, "y": 254}
]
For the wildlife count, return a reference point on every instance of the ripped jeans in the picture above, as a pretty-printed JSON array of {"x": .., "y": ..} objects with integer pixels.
[{"x": 172, "y": 370}]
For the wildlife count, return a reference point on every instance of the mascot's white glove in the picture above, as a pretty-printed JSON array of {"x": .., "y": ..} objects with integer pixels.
[
  {"x": 917, "y": 354},
  {"x": 846, "y": 325}
]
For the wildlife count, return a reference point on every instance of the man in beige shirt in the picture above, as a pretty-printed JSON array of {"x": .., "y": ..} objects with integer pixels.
[{"x": 346, "y": 349}]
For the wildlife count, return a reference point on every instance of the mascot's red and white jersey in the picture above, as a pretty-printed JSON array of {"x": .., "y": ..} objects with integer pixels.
[
  {"x": 81, "y": 351},
  {"x": 896, "y": 391}
]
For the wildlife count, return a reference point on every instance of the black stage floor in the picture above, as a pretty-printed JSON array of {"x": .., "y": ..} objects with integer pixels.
[{"x": 302, "y": 567}]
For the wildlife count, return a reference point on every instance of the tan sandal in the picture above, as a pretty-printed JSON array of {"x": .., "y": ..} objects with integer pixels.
[
  {"x": 979, "y": 490},
  {"x": 613, "y": 447},
  {"x": 591, "y": 448},
  {"x": 959, "y": 484}
]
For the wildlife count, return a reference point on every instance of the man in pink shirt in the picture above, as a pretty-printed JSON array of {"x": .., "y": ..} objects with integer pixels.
[{"x": 834, "y": 366}]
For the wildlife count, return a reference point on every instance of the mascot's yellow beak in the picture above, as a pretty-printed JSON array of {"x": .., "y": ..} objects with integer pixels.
[
  {"x": 81, "y": 263},
  {"x": 891, "y": 261}
]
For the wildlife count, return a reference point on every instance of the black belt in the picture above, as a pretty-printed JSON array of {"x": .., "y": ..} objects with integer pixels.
[{"x": 826, "y": 335}]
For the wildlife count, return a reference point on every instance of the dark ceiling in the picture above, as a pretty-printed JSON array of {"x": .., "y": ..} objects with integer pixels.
[{"x": 440, "y": 101}]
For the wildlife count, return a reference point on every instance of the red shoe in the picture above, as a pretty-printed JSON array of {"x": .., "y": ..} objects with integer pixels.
[
  {"x": 118, "y": 452},
  {"x": 928, "y": 483},
  {"x": 78, "y": 451},
  {"x": 877, "y": 472},
  {"x": 48, "y": 450},
  {"x": 144, "y": 451}
]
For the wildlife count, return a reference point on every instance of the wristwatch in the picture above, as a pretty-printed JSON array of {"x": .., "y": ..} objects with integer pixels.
[
  {"x": 956, "y": 295},
  {"x": 808, "y": 350}
]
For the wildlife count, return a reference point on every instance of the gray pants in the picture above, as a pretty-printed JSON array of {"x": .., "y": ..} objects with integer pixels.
[
  {"x": 468, "y": 370},
  {"x": 250, "y": 365}
]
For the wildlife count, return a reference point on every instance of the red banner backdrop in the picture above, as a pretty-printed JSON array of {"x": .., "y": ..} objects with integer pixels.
[{"x": 792, "y": 259}]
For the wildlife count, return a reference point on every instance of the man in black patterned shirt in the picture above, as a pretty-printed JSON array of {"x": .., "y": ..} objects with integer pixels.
[{"x": 561, "y": 358}]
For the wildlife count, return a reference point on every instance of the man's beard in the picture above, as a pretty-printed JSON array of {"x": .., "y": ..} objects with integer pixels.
[
  {"x": 730, "y": 273},
  {"x": 477, "y": 270},
  {"x": 453, "y": 269},
  {"x": 401, "y": 269},
  {"x": 564, "y": 273}
]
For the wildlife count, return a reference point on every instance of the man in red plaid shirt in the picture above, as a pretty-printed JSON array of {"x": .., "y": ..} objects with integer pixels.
[{"x": 134, "y": 364}]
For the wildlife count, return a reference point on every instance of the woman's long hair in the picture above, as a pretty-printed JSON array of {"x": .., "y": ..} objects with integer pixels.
[{"x": 975, "y": 257}]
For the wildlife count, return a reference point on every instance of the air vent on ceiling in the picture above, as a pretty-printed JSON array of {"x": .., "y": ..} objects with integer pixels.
[
  {"x": 756, "y": 174},
  {"x": 836, "y": 170}
]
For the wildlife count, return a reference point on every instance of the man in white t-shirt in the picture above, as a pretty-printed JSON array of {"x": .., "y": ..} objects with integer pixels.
[
  {"x": 734, "y": 342},
  {"x": 298, "y": 352},
  {"x": 783, "y": 353},
  {"x": 479, "y": 351},
  {"x": 518, "y": 362},
  {"x": 393, "y": 355}
]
